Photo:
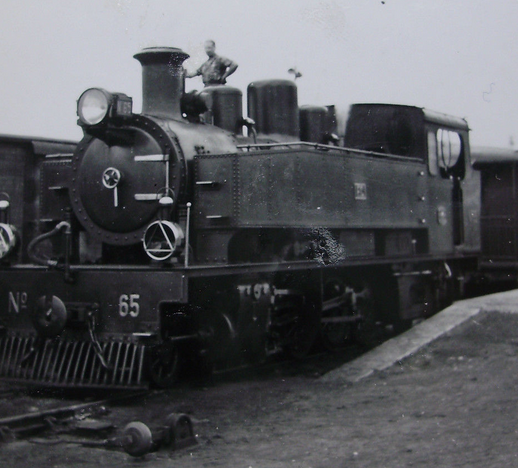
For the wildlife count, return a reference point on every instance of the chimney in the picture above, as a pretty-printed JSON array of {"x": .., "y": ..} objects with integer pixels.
[{"x": 162, "y": 81}]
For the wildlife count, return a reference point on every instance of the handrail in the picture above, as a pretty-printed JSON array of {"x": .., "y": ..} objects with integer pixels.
[{"x": 322, "y": 147}]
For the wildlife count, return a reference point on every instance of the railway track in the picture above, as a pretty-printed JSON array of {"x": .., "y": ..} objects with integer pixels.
[
  {"x": 63, "y": 424},
  {"x": 10, "y": 392},
  {"x": 30, "y": 423},
  {"x": 83, "y": 424}
]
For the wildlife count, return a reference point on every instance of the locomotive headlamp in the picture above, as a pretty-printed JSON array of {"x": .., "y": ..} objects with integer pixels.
[
  {"x": 96, "y": 104},
  {"x": 93, "y": 106}
]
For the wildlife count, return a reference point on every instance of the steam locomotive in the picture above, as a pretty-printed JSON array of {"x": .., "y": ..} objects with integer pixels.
[{"x": 169, "y": 239}]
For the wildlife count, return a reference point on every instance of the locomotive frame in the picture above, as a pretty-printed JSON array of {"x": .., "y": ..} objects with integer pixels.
[{"x": 165, "y": 240}]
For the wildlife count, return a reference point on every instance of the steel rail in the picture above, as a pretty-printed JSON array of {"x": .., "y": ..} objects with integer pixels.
[{"x": 30, "y": 423}]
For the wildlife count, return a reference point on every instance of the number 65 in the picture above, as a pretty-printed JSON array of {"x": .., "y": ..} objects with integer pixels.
[{"x": 129, "y": 304}]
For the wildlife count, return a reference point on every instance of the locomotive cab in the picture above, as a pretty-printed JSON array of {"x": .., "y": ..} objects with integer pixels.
[{"x": 441, "y": 144}]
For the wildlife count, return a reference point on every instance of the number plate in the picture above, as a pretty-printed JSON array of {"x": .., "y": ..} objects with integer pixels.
[{"x": 129, "y": 305}]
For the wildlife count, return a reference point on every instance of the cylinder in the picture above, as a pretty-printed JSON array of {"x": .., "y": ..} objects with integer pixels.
[
  {"x": 272, "y": 104},
  {"x": 313, "y": 123},
  {"x": 225, "y": 107},
  {"x": 162, "y": 81}
]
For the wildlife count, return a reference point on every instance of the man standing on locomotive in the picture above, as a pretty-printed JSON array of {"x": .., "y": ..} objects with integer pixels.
[{"x": 216, "y": 69}]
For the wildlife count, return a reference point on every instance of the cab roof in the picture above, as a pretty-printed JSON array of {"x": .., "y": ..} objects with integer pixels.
[{"x": 439, "y": 118}]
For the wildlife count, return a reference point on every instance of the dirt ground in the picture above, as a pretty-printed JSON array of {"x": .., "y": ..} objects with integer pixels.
[{"x": 453, "y": 404}]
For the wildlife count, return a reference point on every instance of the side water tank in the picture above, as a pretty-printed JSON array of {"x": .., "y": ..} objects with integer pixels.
[
  {"x": 225, "y": 106},
  {"x": 272, "y": 104}
]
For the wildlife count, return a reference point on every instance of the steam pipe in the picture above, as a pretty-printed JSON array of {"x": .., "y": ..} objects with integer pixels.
[{"x": 37, "y": 240}]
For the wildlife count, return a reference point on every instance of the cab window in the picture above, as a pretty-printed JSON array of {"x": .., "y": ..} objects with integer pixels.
[{"x": 444, "y": 152}]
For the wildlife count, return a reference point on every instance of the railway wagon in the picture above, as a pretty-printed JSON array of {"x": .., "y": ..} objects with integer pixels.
[
  {"x": 498, "y": 169},
  {"x": 20, "y": 203},
  {"x": 169, "y": 240}
]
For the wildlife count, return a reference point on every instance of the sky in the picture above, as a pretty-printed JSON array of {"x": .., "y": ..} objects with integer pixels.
[{"x": 453, "y": 56}]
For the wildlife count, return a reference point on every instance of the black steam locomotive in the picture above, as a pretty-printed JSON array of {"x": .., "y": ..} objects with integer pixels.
[{"x": 170, "y": 239}]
